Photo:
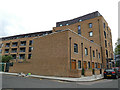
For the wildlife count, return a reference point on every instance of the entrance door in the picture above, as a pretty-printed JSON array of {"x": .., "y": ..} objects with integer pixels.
[
  {"x": 93, "y": 66},
  {"x": 73, "y": 64}
]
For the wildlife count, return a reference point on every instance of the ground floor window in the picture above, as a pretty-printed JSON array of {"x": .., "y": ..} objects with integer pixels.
[
  {"x": 95, "y": 65},
  {"x": 88, "y": 64},
  {"x": 79, "y": 64}
]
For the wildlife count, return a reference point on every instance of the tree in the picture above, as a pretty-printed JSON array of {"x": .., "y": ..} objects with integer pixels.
[
  {"x": 117, "y": 47},
  {"x": 6, "y": 59},
  {"x": 117, "y": 52}
]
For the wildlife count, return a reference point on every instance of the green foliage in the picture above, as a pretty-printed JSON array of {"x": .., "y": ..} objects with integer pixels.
[
  {"x": 117, "y": 47},
  {"x": 6, "y": 59}
]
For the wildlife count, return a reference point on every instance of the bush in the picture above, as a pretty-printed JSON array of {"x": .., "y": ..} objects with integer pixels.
[{"x": 6, "y": 59}]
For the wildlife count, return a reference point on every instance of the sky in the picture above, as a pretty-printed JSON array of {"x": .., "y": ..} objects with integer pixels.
[{"x": 28, "y": 16}]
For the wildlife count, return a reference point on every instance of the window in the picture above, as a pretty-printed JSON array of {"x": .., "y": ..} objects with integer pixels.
[
  {"x": 91, "y": 34},
  {"x": 90, "y": 25},
  {"x": 22, "y": 49},
  {"x": 30, "y": 42},
  {"x": 30, "y": 49},
  {"x": 23, "y": 43},
  {"x": 14, "y": 56},
  {"x": 79, "y": 64},
  {"x": 99, "y": 55},
  {"x": 14, "y": 50},
  {"x": 29, "y": 56},
  {"x": 22, "y": 56},
  {"x": 105, "y": 43},
  {"x": 91, "y": 40},
  {"x": 107, "y": 27},
  {"x": 7, "y": 44},
  {"x": 75, "y": 48},
  {"x": 60, "y": 24},
  {"x": 95, "y": 65},
  {"x": 93, "y": 53},
  {"x": 6, "y": 50},
  {"x": 80, "y": 20},
  {"x": 88, "y": 64},
  {"x": 79, "y": 30},
  {"x": 104, "y": 25},
  {"x": 86, "y": 51},
  {"x": 107, "y": 53},
  {"x": 14, "y": 44},
  {"x": 105, "y": 34},
  {"x": 67, "y": 24}
]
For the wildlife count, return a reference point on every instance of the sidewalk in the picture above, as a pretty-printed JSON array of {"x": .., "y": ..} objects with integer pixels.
[{"x": 81, "y": 79}]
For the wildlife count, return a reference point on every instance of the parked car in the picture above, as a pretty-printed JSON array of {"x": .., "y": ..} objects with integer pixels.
[{"x": 111, "y": 73}]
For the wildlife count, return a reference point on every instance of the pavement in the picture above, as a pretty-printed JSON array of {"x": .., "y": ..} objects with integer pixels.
[{"x": 81, "y": 79}]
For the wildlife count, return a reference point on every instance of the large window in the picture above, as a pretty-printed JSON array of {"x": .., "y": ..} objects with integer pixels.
[
  {"x": 90, "y": 25},
  {"x": 86, "y": 51},
  {"x": 75, "y": 48},
  {"x": 79, "y": 30},
  {"x": 91, "y": 34},
  {"x": 79, "y": 64}
]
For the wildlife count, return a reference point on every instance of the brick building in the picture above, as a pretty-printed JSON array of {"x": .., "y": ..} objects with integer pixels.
[{"x": 73, "y": 45}]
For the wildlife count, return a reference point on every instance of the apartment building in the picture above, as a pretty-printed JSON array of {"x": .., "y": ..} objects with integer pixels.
[
  {"x": 94, "y": 27},
  {"x": 19, "y": 46},
  {"x": 80, "y": 46}
]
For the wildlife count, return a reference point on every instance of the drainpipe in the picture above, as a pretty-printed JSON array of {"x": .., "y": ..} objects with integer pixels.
[
  {"x": 82, "y": 53},
  {"x": 90, "y": 58},
  {"x": 100, "y": 43},
  {"x": 70, "y": 52}
]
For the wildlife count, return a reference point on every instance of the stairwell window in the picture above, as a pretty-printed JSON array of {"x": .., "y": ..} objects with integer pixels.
[
  {"x": 75, "y": 48},
  {"x": 91, "y": 34},
  {"x": 90, "y": 25},
  {"x": 86, "y": 51},
  {"x": 93, "y": 53},
  {"x": 79, "y": 29}
]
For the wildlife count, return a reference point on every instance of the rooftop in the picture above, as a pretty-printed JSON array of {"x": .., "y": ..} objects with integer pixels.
[{"x": 78, "y": 19}]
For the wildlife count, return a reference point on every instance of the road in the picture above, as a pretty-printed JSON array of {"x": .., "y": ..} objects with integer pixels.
[{"x": 9, "y": 81}]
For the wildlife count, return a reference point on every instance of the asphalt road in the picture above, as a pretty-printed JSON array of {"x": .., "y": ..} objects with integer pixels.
[{"x": 9, "y": 81}]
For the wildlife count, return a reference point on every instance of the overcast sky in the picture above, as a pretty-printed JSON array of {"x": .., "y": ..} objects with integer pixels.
[{"x": 27, "y": 16}]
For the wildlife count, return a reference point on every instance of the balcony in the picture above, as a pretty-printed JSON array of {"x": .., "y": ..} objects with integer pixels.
[
  {"x": 6, "y": 50},
  {"x": 22, "y": 49},
  {"x": 22, "y": 56},
  {"x": 14, "y": 50},
  {"x": 14, "y": 44},
  {"x": 23, "y": 43},
  {"x": 7, "y": 45}
]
